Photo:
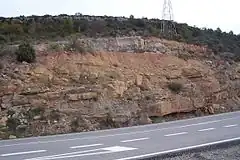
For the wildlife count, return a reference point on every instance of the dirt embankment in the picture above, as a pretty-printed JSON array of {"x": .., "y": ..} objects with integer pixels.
[{"x": 69, "y": 92}]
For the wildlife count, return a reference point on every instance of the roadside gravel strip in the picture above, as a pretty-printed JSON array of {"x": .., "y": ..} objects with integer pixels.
[{"x": 225, "y": 151}]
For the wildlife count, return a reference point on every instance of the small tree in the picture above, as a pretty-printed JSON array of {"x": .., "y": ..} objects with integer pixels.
[{"x": 26, "y": 52}]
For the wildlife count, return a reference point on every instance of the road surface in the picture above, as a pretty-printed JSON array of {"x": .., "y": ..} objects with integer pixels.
[{"x": 126, "y": 143}]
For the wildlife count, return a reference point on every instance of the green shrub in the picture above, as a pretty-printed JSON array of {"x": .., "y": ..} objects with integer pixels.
[
  {"x": 175, "y": 87},
  {"x": 26, "y": 52},
  {"x": 55, "y": 47},
  {"x": 12, "y": 123},
  {"x": 74, "y": 125},
  {"x": 78, "y": 46},
  {"x": 38, "y": 111},
  {"x": 74, "y": 45}
]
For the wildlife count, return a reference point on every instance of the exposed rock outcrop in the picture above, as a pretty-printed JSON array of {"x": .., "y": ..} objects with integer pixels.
[{"x": 70, "y": 92}]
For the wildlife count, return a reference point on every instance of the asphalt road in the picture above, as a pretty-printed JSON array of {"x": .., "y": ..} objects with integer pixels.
[{"x": 126, "y": 143}]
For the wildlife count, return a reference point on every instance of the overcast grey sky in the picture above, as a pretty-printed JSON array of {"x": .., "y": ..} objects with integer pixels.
[{"x": 202, "y": 13}]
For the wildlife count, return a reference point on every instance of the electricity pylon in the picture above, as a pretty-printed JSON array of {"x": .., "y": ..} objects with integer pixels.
[{"x": 168, "y": 27}]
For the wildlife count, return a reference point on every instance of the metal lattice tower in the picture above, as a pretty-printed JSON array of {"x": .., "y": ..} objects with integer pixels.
[{"x": 167, "y": 25}]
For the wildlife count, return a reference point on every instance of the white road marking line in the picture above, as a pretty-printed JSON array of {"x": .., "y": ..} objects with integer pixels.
[
  {"x": 85, "y": 146},
  {"x": 118, "y": 149},
  {"x": 21, "y": 153},
  {"x": 65, "y": 154},
  {"x": 120, "y": 134},
  {"x": 106, "y": 150},
  {"x": 133, "y": 140},
  {"x": 206, "y": 129},
  {"x": 72, "y": 156},
  {"x": 175, "y": 134},
  {"x": 179, "y": 149},
  {"x": 228, "y": 126}
]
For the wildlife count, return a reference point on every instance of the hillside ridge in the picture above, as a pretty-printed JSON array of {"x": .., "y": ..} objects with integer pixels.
[{"x": 47, "y": 27}]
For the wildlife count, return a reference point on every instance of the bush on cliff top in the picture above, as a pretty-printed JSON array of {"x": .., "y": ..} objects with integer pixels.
[{"x": 26, "y": 52}]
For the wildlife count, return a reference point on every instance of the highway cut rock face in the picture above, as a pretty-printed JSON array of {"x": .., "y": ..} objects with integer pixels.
[{"x": 71, "y": 92}]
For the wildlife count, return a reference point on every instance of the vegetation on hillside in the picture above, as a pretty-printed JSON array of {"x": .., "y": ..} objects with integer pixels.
[
  {"x": 25, "y": 52},
  {"x": 56, "y": 27}
]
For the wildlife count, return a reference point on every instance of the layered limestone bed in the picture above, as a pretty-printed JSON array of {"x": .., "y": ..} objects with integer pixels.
[{"x": 70, "y": 92}]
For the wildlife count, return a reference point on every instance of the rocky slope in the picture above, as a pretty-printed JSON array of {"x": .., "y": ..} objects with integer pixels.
[{"x": 71, "y": 92}]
